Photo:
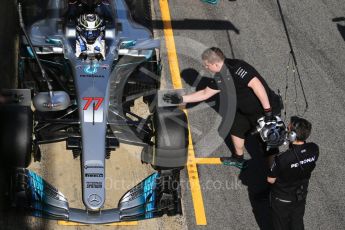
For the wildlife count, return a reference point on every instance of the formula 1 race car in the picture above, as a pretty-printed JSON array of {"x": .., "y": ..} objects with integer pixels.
[{"x": 81, "y": 66}]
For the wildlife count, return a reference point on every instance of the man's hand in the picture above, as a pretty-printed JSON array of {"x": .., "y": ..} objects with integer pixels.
[
  {"x": 268, "y": 115},
  {"x": 172, "y": 98}
]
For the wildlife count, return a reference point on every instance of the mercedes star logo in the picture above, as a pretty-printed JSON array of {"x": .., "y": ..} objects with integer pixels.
[{"x": 94, "y": 200}]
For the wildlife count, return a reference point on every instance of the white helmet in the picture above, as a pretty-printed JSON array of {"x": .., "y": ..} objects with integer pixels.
[{"x": 90, "y": 26}]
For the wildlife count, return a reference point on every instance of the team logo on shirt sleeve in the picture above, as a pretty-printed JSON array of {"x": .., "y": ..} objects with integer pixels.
[{"x": 241, "y": 72}]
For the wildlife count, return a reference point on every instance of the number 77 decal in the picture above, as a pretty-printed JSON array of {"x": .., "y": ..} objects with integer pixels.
[{"x": 89, "y": 101}]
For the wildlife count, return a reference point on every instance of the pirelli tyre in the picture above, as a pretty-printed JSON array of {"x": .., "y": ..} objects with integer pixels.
[
  {"x": 16, "y": 135},
  {"x": 171, "y": 139}
]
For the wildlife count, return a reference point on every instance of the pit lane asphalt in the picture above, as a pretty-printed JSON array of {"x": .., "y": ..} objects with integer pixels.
[{"x": 253, "y": 31}]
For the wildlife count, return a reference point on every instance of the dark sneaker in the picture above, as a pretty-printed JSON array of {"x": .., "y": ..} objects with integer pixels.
[{"x": 234, "y": 161}]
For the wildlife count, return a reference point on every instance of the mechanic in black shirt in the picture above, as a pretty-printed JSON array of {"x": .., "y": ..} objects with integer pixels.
[
  {"x": 289, "y": 176},
  {"x": 252, "y": 94}
]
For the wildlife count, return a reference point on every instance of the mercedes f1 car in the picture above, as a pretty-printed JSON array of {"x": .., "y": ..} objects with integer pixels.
[{"x": 81, "y": 66}]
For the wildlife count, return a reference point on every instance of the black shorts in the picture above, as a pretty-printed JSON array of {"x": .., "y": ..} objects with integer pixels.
[{"x": 243, "y": 124}]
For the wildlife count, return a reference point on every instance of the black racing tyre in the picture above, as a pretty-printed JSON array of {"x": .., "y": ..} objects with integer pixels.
[
  {"x": 16, "y": 135},
  {"x": 15, "y": 120},
  {"x": 141, "y": 12},
  {"x": 171, "y": 139},
  {"x": 9, "y": 42}
]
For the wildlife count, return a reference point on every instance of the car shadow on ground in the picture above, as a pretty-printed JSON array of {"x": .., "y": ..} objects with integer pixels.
[
  {"x": 194, "y": 79},
  {"x": 340, "y": 25},
  {"x": 255, "y": 178}
]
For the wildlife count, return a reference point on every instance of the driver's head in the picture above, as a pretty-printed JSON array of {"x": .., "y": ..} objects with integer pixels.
[
  {"x": 89, "y": 27},
  {"x": 213, "y": 59}
]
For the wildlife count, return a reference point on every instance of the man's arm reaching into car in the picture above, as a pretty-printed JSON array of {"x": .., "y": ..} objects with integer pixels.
[
  {"x": 200, "y": 95},
  {"x": 197, "y": 96}
]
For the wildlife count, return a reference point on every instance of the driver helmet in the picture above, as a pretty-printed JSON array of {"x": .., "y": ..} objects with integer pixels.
[{"x": 90, "y": 27}]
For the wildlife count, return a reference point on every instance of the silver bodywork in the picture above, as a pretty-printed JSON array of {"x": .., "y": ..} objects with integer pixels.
[{"x": 95, "y": 81}]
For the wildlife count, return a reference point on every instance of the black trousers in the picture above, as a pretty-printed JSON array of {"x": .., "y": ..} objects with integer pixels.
[{"x": 287, "y": 215}]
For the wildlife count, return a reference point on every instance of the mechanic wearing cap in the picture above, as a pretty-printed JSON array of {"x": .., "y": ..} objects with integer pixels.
[
  {"x": 252, "y": 94},
  {"x": 289, "y": 177}
]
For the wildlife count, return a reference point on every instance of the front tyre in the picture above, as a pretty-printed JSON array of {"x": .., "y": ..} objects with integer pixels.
[
  {"x": 171, "y": 139},
  {"x": 16, "y": 135}
]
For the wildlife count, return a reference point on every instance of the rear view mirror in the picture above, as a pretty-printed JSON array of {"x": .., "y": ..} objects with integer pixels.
[{"x": 54, "y": 101}]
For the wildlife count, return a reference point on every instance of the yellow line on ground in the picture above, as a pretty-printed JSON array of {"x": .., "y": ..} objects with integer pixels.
[
  {"x": 199, "y": 209},
  {"x": 194, "y": 182},
  {"x": 70, "y": 223},
  {"x": 170, "y": 45},
  {"x": 211, "y": 161},
  {"x": 131, "y": 223}
]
